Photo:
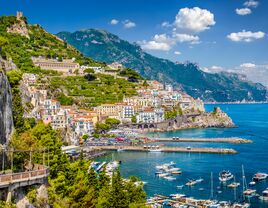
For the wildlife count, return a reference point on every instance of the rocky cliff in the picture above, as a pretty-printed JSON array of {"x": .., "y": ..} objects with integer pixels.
[{"x": 6, "y": 119}]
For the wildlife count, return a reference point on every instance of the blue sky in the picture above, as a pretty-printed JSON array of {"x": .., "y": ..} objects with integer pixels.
[{"x": 211, "y": 33}]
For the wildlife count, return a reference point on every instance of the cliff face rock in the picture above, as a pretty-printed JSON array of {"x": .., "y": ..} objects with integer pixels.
[{"x": 6, "y": 118}]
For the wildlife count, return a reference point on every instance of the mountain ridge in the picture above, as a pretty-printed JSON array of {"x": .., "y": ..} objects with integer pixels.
[{"x": 221, "y": 87}]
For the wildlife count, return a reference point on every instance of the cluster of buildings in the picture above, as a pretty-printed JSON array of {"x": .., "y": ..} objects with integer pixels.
[{"x": 149, "y": 106}]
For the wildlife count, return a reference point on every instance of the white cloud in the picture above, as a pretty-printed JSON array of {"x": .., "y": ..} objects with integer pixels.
[
  {"x": 243, "y": 11},
  {"x": 194, "y": 20},
  {"x": 129, "y": 24},
  {"x": 166, "y": 24},
  {"x": 245, "y": 36},
  {"x": 254, "y": 72},
  {"x": 248, "y": 65},
  {"x": 114, "y": 22},
  {"x": 251, "y": 3},
  {"x": 177, "y": 52},
  {"x": 159, "y": 42},
  {"x": 185, "y": 38}
]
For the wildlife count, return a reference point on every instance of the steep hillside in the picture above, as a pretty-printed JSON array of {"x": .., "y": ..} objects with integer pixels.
[{"x": 104, "y": 46}]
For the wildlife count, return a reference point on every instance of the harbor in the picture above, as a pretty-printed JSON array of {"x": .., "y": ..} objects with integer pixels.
[{"x": 159, "y": 149}]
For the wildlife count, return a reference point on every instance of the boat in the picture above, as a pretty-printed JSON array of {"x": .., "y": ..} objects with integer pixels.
[
  {"x": 161, "y": 175},
  {"x": 199, "y": 180},
  {"x": 246, "y": 191},
  {"x": 176, "y": 172},
  {"x": 155, "y": 150},
  {"x": 225, "y": 176},
  {"x": 252, "y": 183},
  {"x": 244, "y": 205},
  {"x": 191, "y": 183},
  {"x": 264, "y": 195},
  {"x": 260, "y": 176},
  {"x": 233, "y": 185},
  {"x": 180, "y": 187},
  {"x": 249, "y": 193},
  {"x": 169, "y": 178}
]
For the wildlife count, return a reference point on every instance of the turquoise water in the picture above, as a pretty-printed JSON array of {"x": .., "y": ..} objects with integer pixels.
[{"x": 252, "y": 124}]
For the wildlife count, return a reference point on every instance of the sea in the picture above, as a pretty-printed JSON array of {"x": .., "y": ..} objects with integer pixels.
[{"x": 252, "y": 123}]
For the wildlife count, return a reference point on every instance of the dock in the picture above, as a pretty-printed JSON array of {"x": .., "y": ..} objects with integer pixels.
[
  {"x": 232, "y": 140},
  {"x": 169, "y": 149}
]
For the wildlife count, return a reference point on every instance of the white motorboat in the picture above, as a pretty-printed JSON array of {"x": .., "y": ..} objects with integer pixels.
[
  {"x": 169, "y": 178},
  {"x": 264, "y": 195},
  {"x": 252, "y": 183},
  {"x": 225, "y": 176},
  {"x": 260, "y": 176}
]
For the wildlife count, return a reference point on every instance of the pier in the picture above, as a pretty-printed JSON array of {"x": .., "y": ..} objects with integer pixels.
[
  {"x": 232, "y": 140},
  {"x": 169, "y": 149}
]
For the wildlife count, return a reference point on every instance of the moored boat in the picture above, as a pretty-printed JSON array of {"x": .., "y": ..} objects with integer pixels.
[
  {"x": 249, "y": 192},
  {"x": 233, "y": 185},
  {"x": 260, "y": 176},
  {"x": 264, "y": 195},
  {"x": 225, "y": 176}
]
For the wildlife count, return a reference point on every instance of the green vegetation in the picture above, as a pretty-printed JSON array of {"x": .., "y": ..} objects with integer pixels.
[
  {"x": 112, "y": 121},
  {"x": 105, "y": 89},
  {"x": 40, "y": 43},
  {"x": 130, "y": 73},
  {"x": 72, "y": 184},
  {"x": 134, "y": 119},
  {"x": 177, "y": 111}
]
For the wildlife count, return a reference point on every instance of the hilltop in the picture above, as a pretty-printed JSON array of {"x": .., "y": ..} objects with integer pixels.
[{"x": 222, "y": 87}]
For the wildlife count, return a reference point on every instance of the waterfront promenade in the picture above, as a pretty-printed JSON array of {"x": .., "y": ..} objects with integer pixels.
[
  {"x": 167, "y": 149},
  {"x": 232, "y": 140}
]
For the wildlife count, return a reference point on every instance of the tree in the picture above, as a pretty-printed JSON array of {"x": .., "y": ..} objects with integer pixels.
[
  {"x": 89, "y": 71},
  {"x": 3, "y": 42},
  {"x": 134, "y": 119},
  {"x": 102, "y": 127},
  {"x": 112, "y": 121},
  {"x": 14, "y": 77}
]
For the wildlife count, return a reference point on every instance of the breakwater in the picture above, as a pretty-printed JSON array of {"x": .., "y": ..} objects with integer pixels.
[
  {"x": 168, "y": 149},
  {"x": 232, "y": 140}
]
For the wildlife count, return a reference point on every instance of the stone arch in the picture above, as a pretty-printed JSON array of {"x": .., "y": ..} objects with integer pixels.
[
  {"x": 151, "y": 126},
  {"x": 139, "y": 126},
  {"x": 146, "y": 126}
]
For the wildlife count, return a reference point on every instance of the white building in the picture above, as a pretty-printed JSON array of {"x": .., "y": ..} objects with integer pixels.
[{"x": 151, "y": 115}]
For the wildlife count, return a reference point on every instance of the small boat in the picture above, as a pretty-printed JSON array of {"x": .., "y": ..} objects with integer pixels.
[
  {"x": 249, "y": 193},
  {"x": 180, "y": 187},
  {"x": 201, "y": 189},
  {"x": 169, "y": 178},
  {"x": 244, "y": 205},
  {"x": 260, "y": 176},
  {"x": 155, "y": 150},
  {"x": 233, "y": 185},
  {"x": 225, "y": 176},
  {"x": 200, "y": 180},
  {"x": 161, "y": 175},
  {"x": 252, "y": 183},
  {"x": 176, "y": 172},
  {"x": 191, "y": 183},
  {"x": 172, "y": 169},
  {"x": 264, "y": 195}
]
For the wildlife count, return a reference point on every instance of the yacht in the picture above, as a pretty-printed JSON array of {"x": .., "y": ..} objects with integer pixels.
[
  {"x": 260, "y": 176},
  {"x": 169, "y": 178},
  {"x": 233, "y": 185},
  {"x": 252, "y": 183},
  {"x": 264, "y": 195},
  {"x": 249, "y": 193},
  {"x": 191, "y": 183},
  {"x": 225, "y": 176}
]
